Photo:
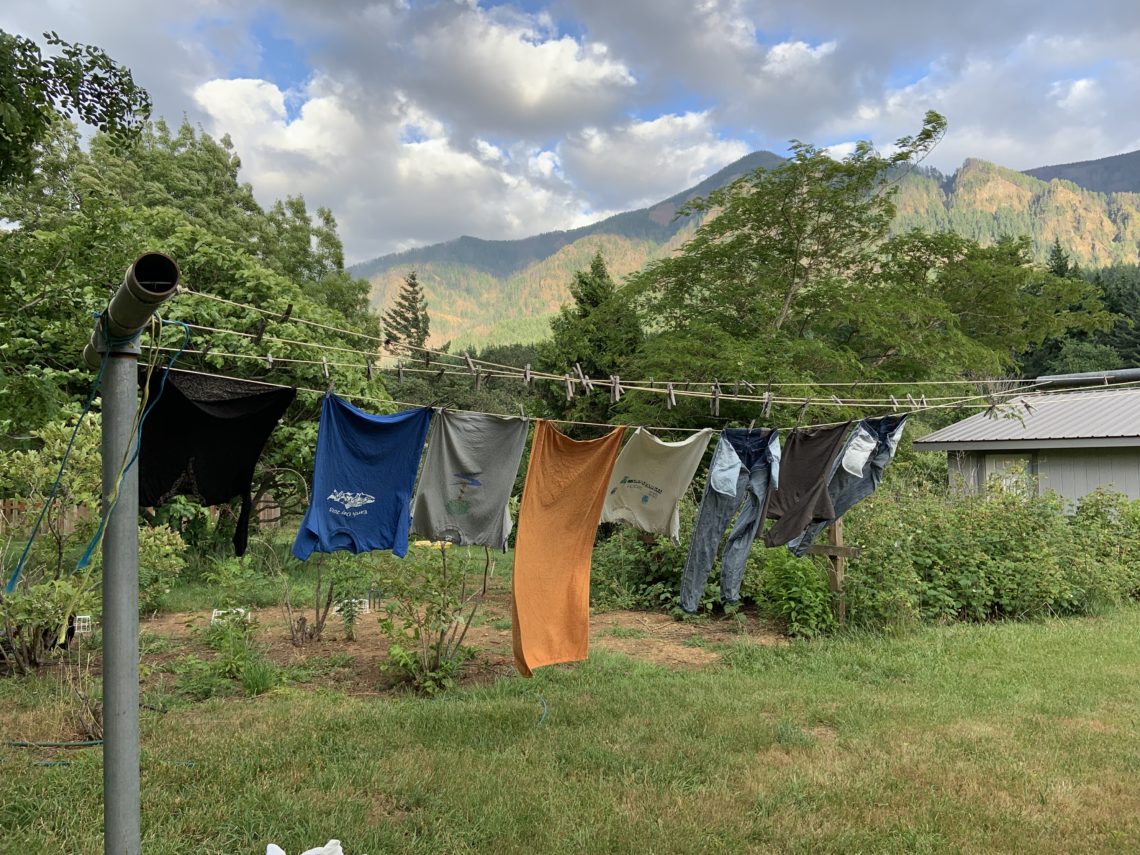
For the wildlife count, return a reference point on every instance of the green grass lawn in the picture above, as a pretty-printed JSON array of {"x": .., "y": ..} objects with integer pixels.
[{"x": 1014, "y": 738}]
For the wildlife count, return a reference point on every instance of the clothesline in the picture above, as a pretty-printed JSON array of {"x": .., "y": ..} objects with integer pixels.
[
  {"x": 961, "y": 403},
  {"x": 853, "y": 403},
  {"x": 464, "y": 359}
]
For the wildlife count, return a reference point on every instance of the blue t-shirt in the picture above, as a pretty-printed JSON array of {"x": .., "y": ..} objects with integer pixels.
[{"x": 363, "y": 477}]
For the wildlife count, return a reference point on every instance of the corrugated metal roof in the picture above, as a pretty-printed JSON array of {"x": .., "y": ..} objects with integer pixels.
[{"x": 1098, "y": 417}]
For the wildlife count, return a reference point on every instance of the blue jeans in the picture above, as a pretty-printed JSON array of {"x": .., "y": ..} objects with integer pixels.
[{"x": 716, "y": 512}]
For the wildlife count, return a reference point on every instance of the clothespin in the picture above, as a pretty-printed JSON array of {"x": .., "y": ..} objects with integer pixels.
[
  {"x": 478, "y": 380},
  {"x": 748, "y": 386},
  {"x": 752, "y": 424},
  {"x": 284, "y": 317},
  {"x": 522, "y": 412},
  {"x": 670, "y": 398},
  {"x": 836, "y": 400},
  {"x": 583, "y": 379},
  {"x": 616, "y": 391},
  {"x": 913, "y": 402},
  {"x": 325, "y": 365},
  {"x": 368, "y": 369},
  {"x": 714, "y": 404},
  {"x": 736, "y": 388},
  {"x": 803, "y": 409},
  {"x": 470, "y": 364},
  {"x": 894, "y": 403},
  {"x": 569, "y": 387},
  {"x": 527, "y": 378},
  {"x": 332, "y": 386},
  {"x": 400, "y": 372},
  {"x": 269, "y": 360},
  {"x": 766, "y": 410},
  {"x": 260, "y": 331},
  {"x": 924, "y": 401}
]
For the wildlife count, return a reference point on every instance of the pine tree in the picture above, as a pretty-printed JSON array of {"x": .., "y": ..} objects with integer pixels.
[
  {"x": 407, "y": 320},
  {"x": 1059, "y": 263}
]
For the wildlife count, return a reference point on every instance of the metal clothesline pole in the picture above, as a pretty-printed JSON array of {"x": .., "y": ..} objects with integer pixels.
[{"x": 151, "y": 280}]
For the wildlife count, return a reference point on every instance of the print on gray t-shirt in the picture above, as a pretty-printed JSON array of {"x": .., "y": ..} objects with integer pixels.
[{"x": 468, "y": 473}]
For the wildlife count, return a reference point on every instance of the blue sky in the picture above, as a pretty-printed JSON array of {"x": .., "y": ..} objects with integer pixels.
[{"x": 417, "y": 122}]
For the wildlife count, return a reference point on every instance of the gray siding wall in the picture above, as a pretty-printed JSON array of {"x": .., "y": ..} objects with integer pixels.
[
  {"x": 1070, "y": 472},
  {"x": 1077, "y": 471}
]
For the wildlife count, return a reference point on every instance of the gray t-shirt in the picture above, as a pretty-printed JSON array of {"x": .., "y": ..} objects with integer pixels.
[
  {"x": 468, "y": 473},
  {"x": 649, "y": 480}
]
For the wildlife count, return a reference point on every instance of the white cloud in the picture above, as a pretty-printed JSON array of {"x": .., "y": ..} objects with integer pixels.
[{"x": 642, "y": 162}]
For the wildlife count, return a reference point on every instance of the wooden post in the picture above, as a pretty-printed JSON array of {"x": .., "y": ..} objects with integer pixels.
[{"x": 838, "y": 569}]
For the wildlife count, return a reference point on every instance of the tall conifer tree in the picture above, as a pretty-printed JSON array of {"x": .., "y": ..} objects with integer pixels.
[{"x": 407, "y": 320}]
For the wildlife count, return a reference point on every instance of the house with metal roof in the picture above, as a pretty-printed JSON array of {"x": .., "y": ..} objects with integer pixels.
[{"x": 1070, "y": 442}]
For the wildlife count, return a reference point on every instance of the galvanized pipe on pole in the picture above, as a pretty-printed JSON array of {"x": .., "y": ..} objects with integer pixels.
[
  {"x": 121, "y": 788},
  {"x": 152, "y": 279}
]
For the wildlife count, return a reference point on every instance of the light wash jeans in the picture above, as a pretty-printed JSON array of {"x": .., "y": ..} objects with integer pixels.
[{"x": 718, "y": 507}]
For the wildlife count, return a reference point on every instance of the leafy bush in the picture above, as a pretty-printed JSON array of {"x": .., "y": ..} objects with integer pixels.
[
  {"x": 1005, "y": 553},
  {"x": 430, "y": 606},
  {"x": 793, "y": 591},
  {"x": 161, "y": 560},
  {"x": 635, "y": 571}
]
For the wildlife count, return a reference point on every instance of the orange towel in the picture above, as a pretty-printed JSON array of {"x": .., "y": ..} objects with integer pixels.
[{"x": 562, "y": 501}]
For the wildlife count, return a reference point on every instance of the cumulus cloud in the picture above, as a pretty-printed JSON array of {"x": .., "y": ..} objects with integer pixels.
[
  {"x": 418, "y": 122},
  {"x": 642, "y": 162}
]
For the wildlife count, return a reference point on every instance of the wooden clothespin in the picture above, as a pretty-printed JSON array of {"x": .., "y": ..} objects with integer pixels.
[
  {"x": 522, "y": 412},
  {"x": 470, "y": 365},
  {"x": 616, "y": 391},
  {"x": 714, "y": 404},
  {"x": 285, "y": 315},
  {"x": 894, "y": 403},
  {"x": 368, "y": 369},
  {"x": 569, "y": 387},
  {"x": 527, "y": 378},
  {"x": 836, "y": 400},
  {"x": 736, "y": 388},
  {"x": 803, "y": 409},
  {"x": 924, "y": 404},
  {"x": 332, "y": 386},
  {"x": 478, "y": 380},
  {"x": 766, "y": 410},
  {"x": 582, "y": 378},
  {"x": 913, "y": 402},
  {"x": 670, "y": 398},
  {"x": 325, "y": 365},
  {"x": 752, "y": 424},
  {"x": 260, "y": 331},
  {"x": 400, "y": 372},
  {"x": 269, "y": 360}
]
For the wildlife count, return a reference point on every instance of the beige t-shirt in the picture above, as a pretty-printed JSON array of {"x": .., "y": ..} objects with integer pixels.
[{"x": 649, "y": 480}]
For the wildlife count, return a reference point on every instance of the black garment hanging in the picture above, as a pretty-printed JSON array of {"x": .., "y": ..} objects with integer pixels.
[
  {"x": 203, "y": 438},
  {"x": 801, "y": 497}
]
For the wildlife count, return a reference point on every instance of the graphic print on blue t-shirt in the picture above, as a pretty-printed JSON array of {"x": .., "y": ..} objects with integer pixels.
[{"x": 363, "y": 476}]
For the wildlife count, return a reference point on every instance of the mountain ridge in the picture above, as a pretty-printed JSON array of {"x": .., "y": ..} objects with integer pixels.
[{"x": 499, "y": 292}]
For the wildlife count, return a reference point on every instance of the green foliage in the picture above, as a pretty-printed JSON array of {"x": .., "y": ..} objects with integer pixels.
[
  {"x": 430, "y": 605},
  {"x": 237, "y": 658},
  {"x": 632, "y": 571},
  {"x": 81, "y": 219},
  {"x": 161, "y": 561},
  {"x": 36, "y": 92},
  {"x": 599, "y": 331},
  {"x": 407, "y": 321},
  {"x": 792, "y": 591},
  {"x": 1006, "y": 553}
]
